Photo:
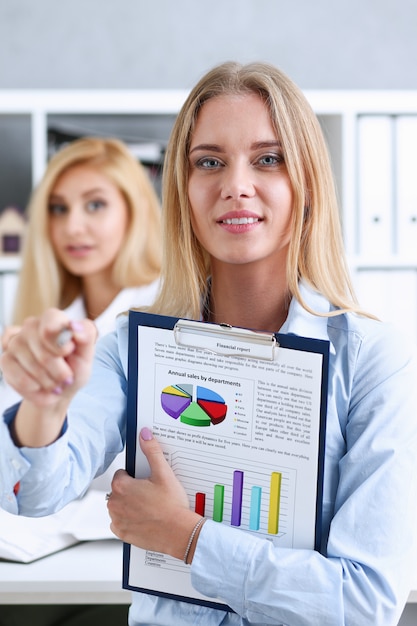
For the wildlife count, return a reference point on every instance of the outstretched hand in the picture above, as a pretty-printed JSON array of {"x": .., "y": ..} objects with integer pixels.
[
  {"x": 46, "y": 373},
  {"x": 152, "y": 513},
  {"x": 41, "y": 369}
]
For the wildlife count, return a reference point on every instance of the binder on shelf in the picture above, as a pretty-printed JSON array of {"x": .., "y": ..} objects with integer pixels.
[
  {"x": 241, "y": 419},
  {"x": 376, "y": 233},
  {"x": 406, "y": 188}
]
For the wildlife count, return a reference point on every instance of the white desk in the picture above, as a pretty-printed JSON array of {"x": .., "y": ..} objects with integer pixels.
[
  {"x": 412, "y": 598},
  {"x": 88, "y": 573}
]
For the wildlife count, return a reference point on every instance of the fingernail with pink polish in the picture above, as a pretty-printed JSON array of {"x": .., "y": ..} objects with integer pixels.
[
  {"x": 77, "y": 327},
  {"x": 57, "y": 391},
  {"x": 146, "y": 434}
]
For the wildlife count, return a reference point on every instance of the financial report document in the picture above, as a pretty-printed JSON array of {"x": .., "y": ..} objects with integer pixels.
[{"x": 241, "y": 417}]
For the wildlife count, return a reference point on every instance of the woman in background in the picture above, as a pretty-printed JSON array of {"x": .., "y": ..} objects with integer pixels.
[
  {"x": 92, "y": 248},
  {"x": 93, "y": 240}
]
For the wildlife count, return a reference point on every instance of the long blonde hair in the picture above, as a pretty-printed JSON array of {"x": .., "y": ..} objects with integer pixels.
[
  {"x": 43, "y": 281},
  {"x": 316, "y": 253}
]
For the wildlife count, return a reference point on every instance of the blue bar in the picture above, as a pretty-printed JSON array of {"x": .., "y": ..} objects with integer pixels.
[{"x": 255, "y": 508}]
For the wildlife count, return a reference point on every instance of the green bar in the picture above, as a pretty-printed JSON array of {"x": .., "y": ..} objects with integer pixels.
[{"x": 218, "y": 503}]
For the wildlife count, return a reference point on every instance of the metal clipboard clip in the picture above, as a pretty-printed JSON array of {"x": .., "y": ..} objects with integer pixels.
[{"x": 226, "y": 340}]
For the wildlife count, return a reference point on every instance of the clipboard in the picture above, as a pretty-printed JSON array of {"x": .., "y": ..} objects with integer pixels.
[{"x": 241, "y": 418}]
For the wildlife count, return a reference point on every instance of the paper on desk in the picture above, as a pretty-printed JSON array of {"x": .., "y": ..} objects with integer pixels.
[{"x": 26, "y": 539}]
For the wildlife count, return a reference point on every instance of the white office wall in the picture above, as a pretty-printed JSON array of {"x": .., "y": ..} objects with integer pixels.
[{"x": 349, "y": 44}]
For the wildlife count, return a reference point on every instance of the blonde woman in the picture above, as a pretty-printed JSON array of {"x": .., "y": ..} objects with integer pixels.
[
  {"x": 99, "y": 175},
  {"x": 93, "y": 248},
  {"x": 93, "y": 241},
  {"x": 252, "y": 238}
]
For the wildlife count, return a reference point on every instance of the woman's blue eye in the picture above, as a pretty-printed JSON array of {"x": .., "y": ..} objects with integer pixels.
[
  {"x": 57, "y": 209},
  {"x": 94, "y": 205},
  {"x": 208, "y": 163},
  {"x": 270, "y": 159}
]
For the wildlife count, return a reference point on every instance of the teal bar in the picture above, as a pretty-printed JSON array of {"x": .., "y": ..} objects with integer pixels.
[{"x": 255, "y": 508}]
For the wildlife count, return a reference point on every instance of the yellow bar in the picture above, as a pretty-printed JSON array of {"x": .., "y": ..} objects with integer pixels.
[{"x": 274, "y": 500}]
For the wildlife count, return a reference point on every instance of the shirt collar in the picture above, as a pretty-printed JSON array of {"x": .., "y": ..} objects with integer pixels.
[{"x": 305, "y": 324}]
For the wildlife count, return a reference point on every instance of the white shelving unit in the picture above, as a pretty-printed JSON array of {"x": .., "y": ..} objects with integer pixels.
[
  {"x": 40, "y": 105},
  {"x": 385, "y": 275}
]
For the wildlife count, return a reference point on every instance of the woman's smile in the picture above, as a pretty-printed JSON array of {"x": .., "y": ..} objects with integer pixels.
[{"x": 239, "y": 221}]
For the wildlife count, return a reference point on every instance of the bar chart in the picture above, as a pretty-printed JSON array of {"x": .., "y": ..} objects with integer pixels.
[{"x": 241, "y": 493}]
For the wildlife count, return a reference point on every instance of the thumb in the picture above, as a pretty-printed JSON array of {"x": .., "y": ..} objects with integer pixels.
[
  {"x": 150, "y": 447},
  {"x": 84, "y": 332},
  {"x": 82, "y": 336}
]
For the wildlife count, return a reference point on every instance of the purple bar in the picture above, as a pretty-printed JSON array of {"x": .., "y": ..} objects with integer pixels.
[{"x": 237, "y": 498}]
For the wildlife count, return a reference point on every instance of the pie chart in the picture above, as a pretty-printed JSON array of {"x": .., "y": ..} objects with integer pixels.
[{"x": 193, "y": 405}]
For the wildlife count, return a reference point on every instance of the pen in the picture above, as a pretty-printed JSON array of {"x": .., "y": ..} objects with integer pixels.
[{"x": 64, "y": 335}]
